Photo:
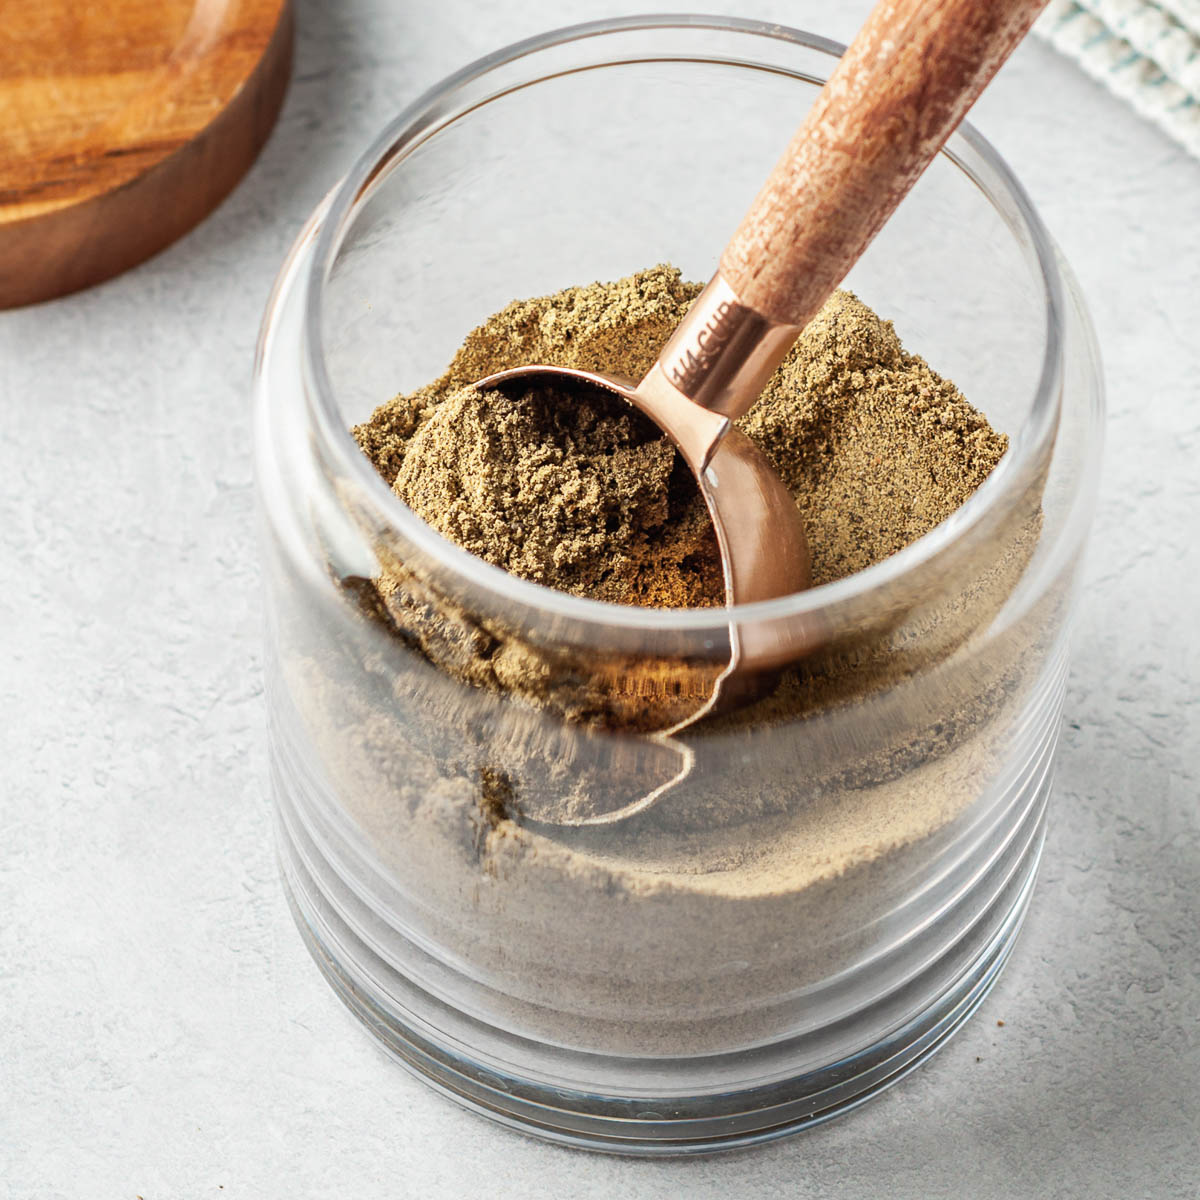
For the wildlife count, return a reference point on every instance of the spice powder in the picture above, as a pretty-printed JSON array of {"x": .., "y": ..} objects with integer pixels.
[
  {"x": 800, "y": 818},
  {"x": 584, "y": 494}
]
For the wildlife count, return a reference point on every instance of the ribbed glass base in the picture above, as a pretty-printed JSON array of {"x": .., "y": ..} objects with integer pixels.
[{"x": 405, "y": 1019}]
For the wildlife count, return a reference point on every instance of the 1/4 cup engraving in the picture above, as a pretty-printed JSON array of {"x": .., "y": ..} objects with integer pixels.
[
  {"x": 723, "y": 352},
  {"x": 688, "y": 366}
]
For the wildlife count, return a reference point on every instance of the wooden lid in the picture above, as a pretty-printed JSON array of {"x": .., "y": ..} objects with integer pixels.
[{"x": 123, "y": 125}]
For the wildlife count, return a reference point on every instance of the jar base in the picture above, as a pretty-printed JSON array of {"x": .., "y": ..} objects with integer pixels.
[{"x": 643, "y": 1126}]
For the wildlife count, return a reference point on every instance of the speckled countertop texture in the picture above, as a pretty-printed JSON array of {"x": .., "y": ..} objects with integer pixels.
[{"x": 163, "y": 1033}]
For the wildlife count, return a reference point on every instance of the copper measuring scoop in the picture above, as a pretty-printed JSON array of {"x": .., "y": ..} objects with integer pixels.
[{"x": 897, "y": 94}]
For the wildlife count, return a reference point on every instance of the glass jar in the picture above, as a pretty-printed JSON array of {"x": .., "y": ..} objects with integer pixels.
[{"x": 825, "y": 887}]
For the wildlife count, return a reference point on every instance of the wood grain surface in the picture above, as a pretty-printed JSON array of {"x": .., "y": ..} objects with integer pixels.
[
  {"x": 896, "y": 96},
  {"x": 122, "y": 125}
]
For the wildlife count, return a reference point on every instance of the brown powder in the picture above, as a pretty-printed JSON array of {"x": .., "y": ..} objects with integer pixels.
[{"x": 583, "y": 494}]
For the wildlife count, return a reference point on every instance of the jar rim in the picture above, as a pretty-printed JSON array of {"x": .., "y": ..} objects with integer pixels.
[{"x": 986, "y": 169}]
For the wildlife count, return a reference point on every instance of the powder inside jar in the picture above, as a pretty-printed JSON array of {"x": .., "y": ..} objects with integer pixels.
[
  {"x": 790, "y": 827},
  {"x": 790, "y": 832},
  {"x": 581, "y": 493}
]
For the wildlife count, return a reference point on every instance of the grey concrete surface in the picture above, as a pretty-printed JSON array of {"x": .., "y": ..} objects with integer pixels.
[{"x": 162, "y": 1032}]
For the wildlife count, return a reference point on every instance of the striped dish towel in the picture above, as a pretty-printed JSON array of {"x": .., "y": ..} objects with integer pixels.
[{"x": 1147, "y": 51}]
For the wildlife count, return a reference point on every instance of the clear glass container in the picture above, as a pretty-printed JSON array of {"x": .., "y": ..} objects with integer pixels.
[{"x": 829, "y": 885}]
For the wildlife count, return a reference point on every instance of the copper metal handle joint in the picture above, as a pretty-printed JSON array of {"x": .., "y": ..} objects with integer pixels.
[{"x": 723, "y": 351}]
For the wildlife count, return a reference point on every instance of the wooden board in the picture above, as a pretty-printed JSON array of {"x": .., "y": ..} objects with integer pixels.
[{"x": 122, "y": 125}]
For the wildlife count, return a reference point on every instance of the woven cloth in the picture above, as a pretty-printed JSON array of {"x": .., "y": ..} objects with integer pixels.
[{"x": 1147, "y": 51}]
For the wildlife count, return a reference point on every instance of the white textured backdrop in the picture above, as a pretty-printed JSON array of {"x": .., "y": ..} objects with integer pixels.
[{"x": 162, "y": 1033}]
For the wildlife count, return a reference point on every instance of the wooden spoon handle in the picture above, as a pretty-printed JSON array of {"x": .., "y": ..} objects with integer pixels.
[{"x": 895, "y": 97}]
